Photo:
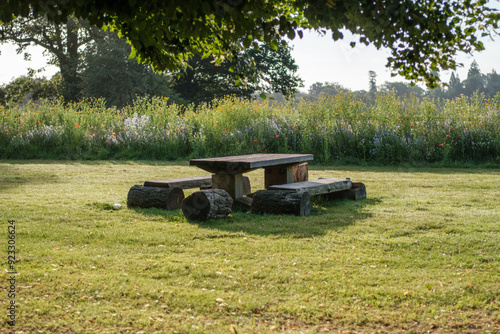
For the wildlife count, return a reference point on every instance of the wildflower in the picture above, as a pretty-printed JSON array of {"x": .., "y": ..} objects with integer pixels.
[
  {"x": 423, "y": 133},
  {"x": 76, "y": 125},
  {"x": 6, "y": 131},
  {"x": 182, "y": 128},
  {"x": 440, "y": 144},
  {"x": 411, "y": 126},
  {"x": 399, "y": 119},
  {"x": 38, "y": 123},
  {"x": 447, "y": 135},
  {"x": 277, "y": 136},
  {"x": 255, "y": 140},
  {"x": 451, "y": 128},
  {"x": 102, "y": 125}
]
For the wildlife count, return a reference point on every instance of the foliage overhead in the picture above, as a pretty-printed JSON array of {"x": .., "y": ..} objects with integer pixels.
[{"x": 424, "y": 36}]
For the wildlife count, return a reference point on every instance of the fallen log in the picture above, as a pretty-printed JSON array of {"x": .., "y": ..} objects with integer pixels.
[
  {"x": 155, "y": 197},
  {"x": 355, "y": 193},
  {"x": 282, "y": 202},
  {"x": 207, "y": 204}
]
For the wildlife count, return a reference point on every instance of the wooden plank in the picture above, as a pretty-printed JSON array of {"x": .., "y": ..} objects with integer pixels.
[
  {"x": 182, "y": 182},
  {"x": 317, "y": 187},
  {"x": 244, "y": 163}
]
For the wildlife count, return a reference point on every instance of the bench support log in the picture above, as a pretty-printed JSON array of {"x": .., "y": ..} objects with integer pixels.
[
  {"x": 282, "y": 202},
  {"x": 155, "y": 197},
  {"x": 356, "y": 193},
  {"x": 207, "y": 204}
]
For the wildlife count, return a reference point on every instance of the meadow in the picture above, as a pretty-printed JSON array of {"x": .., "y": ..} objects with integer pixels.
[
  {"x": 419, "y": 255},
  {"x": 336, "y": 129}
]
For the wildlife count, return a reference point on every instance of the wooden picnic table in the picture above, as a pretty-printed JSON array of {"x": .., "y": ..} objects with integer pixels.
[{"x": 227, "y": 172}]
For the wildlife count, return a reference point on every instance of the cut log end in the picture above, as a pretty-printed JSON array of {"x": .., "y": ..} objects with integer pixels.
[
  {"x": 282, "y": 202},
  {"x": 155, "y": 197},
  {"x": 207, "y": 204}
]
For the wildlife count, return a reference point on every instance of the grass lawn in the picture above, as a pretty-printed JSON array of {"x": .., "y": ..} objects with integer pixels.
[{"x": 421, "y": 254}]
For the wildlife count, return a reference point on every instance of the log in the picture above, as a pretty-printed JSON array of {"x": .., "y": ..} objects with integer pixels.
[
  {"x": 155, "y": 197},
  {"x": 316, "y": 187},
  {"x": 282, "y": 202},
  {"x": 355, "y": 193},
  {"x": 207, "y": 204}
]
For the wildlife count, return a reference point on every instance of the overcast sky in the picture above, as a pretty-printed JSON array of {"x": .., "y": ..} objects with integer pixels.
[{"x": 320, "y": 59}]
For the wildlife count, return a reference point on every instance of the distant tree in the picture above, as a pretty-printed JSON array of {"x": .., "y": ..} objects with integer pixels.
[
  {"x": 455, "y": 86},
  {"x": 474, "y": 81},
  {"x": 402, "y": 88},
  {"x": 361, "y": 94},
  {"x": 372, "y": 84},
  {"x": 319, "y": 89},
  {"x": 492, "y": 86},
  {"x": 265, "y": 70},
  {"x": 436, "y": 93},
  {"x": 25, "y": 88},
  {"x": 108, "y": 72}
]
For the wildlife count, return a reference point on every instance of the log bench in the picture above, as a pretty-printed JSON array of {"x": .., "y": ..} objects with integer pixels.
[
  {"x": 294, "y": 198},
  {"x": 204, "y": 181}
]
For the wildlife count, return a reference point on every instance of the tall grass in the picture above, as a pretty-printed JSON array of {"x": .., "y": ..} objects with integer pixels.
[{"x": 335, "y": 129}]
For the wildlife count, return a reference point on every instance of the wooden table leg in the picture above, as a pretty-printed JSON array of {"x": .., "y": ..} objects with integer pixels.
[
  {"x": 233, "y": 184},
  {"x": 277, "y": 175}
]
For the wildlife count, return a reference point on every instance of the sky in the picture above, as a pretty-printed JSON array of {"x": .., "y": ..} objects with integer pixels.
[{"x": 320, "y": 59}]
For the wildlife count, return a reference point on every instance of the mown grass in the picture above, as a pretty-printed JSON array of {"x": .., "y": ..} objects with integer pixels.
[{"x": 420, "y": 254}]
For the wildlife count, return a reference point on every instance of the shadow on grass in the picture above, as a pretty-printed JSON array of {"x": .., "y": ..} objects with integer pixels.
[
  {"x": 10, "y": 177},
  {"x": 325, "y": 216}
]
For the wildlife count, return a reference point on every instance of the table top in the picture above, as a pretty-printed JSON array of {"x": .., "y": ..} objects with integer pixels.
[{"x": 237, "y": 164}]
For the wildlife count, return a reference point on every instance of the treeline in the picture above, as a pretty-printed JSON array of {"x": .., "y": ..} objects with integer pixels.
[{"x": 476, "y": 82}]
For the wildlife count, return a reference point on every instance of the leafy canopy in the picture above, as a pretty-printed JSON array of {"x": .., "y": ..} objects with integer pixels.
[{"x": 424, "y": 36}]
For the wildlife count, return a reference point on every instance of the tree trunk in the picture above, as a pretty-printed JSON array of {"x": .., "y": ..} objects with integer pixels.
[
  {"x": 155, "y": 197},
  {"x": 282, "y": 202},
  {"x": 207, "y": 204},
  {"x": 69, "y": 64}
]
